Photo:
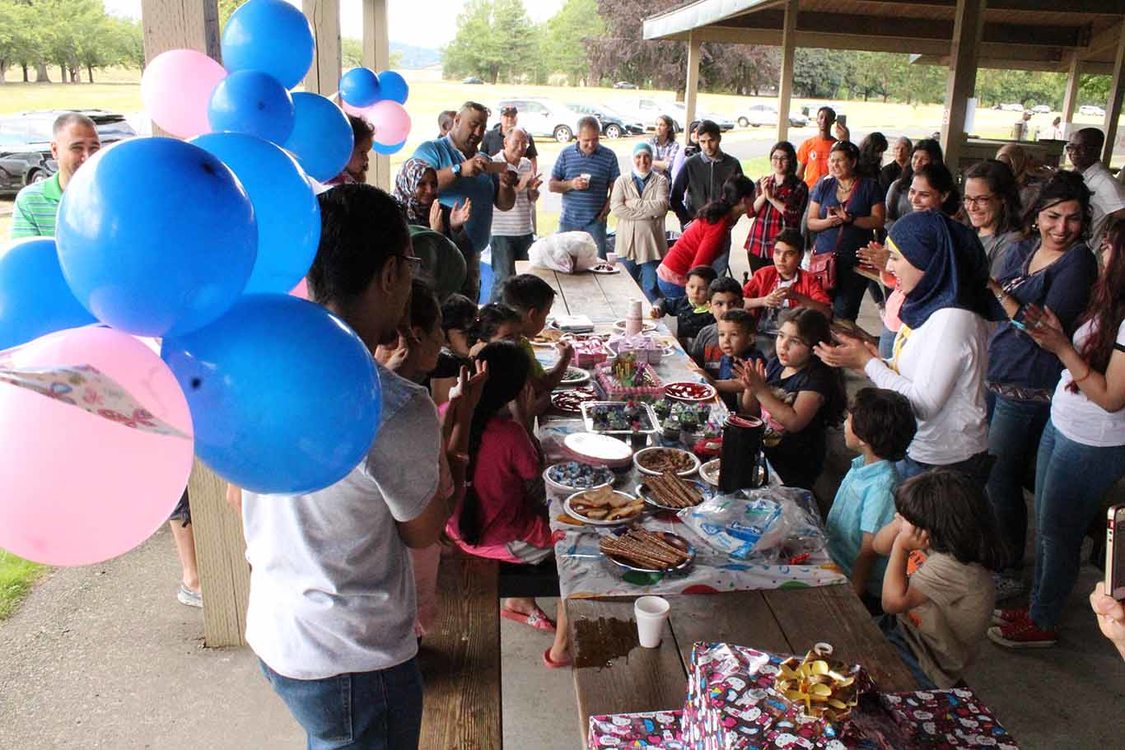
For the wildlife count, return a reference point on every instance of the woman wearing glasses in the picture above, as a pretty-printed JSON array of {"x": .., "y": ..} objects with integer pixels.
[
  {"x": 1052, "y": 269},
  {"x": 992, "y": 205},
  {"x": 781, "y": 201}
]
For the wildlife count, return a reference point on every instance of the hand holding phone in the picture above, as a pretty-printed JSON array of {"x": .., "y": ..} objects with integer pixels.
[{"x": 1115, "y": 552}]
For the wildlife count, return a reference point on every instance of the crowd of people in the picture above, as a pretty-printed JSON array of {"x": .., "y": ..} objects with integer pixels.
[{"x": 1002, "y": 357}]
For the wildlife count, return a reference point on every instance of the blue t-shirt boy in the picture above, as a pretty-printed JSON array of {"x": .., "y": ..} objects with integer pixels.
[{"x": 864, "y": 504}]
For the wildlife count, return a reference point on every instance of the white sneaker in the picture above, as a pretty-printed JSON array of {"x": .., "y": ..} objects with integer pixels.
[{"x": 189, "y": 598}]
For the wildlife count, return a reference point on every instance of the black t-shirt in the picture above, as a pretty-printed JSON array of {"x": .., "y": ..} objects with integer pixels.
[
  {"x": 799, "y": 457},
  {"x": 448, "y": 366},
  {"x": 493, "y": 143}
]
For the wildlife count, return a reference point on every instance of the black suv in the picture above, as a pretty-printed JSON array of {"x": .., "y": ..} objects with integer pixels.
[{"x": 25, "y": 143}]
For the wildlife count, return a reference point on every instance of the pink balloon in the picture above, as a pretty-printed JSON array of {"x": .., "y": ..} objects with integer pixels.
[
  {"x": 301, "y": 291},
  {"x": 79, "y": 487},
  {"x": 390, "y": 120},
  {"x": 176, "y": 87}
]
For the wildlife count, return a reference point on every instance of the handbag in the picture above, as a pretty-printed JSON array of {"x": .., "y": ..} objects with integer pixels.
[{"x": 823, "y": 266}]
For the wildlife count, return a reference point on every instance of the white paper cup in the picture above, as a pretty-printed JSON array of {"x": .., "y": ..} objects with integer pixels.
[
  {"x": 651, "y": 613},
  {"x": 611, "y": 258}
]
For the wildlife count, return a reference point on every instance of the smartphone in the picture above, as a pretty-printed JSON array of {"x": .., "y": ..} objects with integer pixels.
[{"x": 1115, "y": 552}]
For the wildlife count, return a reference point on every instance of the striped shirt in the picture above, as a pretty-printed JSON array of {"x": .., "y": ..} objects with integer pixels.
[
  {"x": 36, "y": 209},
  {"x": 581, "y": 207},
  {"x": 515, "y": 222}
]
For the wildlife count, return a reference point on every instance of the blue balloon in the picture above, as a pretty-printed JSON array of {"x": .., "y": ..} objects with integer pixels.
[
  {"x": 156, "y": 237},
  {"x": 359, "y": 87},
  {"x": 284, "y": 397},
  {"x": 285, "y": 206},
  {"x": 254, "y": 103},
  {"x": 271, "y": 36},
  {"x": 379, "y": 148},
  {"x": 393, "y": 86},
  {"x": 34, "y": 297},
  {"x": 322, "y": 137}
]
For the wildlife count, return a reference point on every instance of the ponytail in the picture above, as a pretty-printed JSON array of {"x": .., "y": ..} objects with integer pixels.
[{"x": 736, "y": 189}]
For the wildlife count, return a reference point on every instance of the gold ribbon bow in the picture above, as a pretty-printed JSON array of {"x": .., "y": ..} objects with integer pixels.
[{"x": 823, "y": 686}]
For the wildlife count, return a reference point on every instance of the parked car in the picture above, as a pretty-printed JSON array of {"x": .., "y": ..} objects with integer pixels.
[
  {"x": 25, "y": 143},
  {"x": 20, "y": 168},
  {"x": 1009, "y": 107},
  {"x": 1091, "y": 109},
  {"x": 1041, "y": 109},
  {"x": 766, "y": 114},
  {"x": 624, "y": 85},
  {"x": 473, "y": 80},
  {"x": 614, "y": 124},
  {"x": 647, "y": 109},
  {"x": 544, "y": 117}
]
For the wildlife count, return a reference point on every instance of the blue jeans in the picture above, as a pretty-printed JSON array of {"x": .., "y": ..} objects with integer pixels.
[
  {"x": 976, "y": 467},
  {"x": 892, "y": 631},
  {"x": 1013, "y": 439},
  {"x": 668, "y": 290},
  {"x": 505, "y": 252},
  {"x": 595, "y": 229},
  {"x": 645, "y": 276},
  {"x": 848, "y": 294},
  {"x": 1070, "y": 481},
  {"x": 379, "y": 710}
]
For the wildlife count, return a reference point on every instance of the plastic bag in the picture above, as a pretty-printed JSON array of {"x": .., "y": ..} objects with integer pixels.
[
  {"x": 565, "y": 251},
  {"x": 772, "y": 524}
]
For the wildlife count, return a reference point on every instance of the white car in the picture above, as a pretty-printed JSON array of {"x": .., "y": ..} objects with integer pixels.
[
  {"x": 758, "y": 115},
  {"x": 1041, "y": 109},
  {"x": 1091, "y": 109},
  {"x": 647, "y": 110},
  {"x": 544, "y": 117}
]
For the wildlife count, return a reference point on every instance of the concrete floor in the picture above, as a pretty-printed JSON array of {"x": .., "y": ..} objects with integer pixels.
[{"x": 104, "y": 657}]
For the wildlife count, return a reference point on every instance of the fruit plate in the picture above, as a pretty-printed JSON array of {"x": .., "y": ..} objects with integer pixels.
[
  {"x": 705, "y": 491},
  {"x": 604, "y": 268},
  {"x": 575, "y": 476},
  {"x": 575, "y": 376},
  {"x": 682, "y": 462},
  {"x": 690, "y": 392},
  {"x": 619, "y": 418},
  {"x": 617, "y": 499},
  {"x": 570, "y": 401},
  {"x": 673, "y": 540}
]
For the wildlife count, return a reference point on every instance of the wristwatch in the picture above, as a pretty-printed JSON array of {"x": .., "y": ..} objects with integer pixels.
[{"x": 456, "y": 170}]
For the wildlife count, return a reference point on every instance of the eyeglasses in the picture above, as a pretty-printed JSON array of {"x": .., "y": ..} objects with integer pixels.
[
  {"x": 413, "y": 261},
  {"x": 779, "y": 157},
  {"x": 979, "y": 200}
]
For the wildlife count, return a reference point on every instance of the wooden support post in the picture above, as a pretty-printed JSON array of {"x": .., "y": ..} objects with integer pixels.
[
  {"x": 692, "y": 87},
  {"x": 1113, "y": 106},
  {"x": 962, "y": 77},
  {"x": 324, "y": 73},
  {"x": 377, "y": 56},
  {"x": 220, "y": 548},
  {"x": 1073, "y": 81},
  {"x": 785, "y": 89}
]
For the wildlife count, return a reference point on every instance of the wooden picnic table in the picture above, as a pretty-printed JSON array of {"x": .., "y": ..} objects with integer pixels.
[{"x": 613, "y": 674}]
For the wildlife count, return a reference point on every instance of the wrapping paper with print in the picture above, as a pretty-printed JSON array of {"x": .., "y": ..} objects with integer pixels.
[
  {"x": 650, "y": 729},
  {"x": 947, "y": 719},
  {"x": 732, "y": 704}
]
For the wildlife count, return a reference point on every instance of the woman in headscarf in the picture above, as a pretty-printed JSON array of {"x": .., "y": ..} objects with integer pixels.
[
  {"x": 416, "y": 190},
  {"x": 639, "y": 200},
  {"x": 941, "y": 350}
]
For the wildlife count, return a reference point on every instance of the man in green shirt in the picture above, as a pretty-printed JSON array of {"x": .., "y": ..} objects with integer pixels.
[{"x": 74, "y": 140}]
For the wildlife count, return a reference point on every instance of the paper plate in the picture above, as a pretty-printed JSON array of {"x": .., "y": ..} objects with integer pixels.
[
  {"x": 600, "y": 449},
  {"x": 640, "y": 455},
  {"x": 577, "y": 496},
  {"x": 689, "y": 392},
  {"x": 604, "y": 268}
]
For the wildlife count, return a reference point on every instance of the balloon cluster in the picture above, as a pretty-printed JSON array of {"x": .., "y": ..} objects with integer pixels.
[
  {"x": 378, "y": 99},
  {"x": 197, "y": 244}
]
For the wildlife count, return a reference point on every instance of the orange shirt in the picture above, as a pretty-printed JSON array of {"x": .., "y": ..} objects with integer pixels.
[{"x": 813, "y": 153}]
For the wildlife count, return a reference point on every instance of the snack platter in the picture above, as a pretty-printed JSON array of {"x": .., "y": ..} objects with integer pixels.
[
  {"x": 575, "y": 476},
  {"x": 691, "y": 392},
  {"x": 646, "y": 551},
  {"x": 669, "y": 492},
  {"x": 604, "y": 507},
  {"x": 570, "y": 401},
  {"x": 656, "y": 461},
  {"x": 619, "y": 417},
  {"x": 604, "y": 268}
]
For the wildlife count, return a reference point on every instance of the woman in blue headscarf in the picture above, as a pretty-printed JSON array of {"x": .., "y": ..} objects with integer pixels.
[{"x": 941, "y": 351}]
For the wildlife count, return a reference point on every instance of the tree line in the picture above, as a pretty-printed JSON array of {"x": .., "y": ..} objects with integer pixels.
[
  {"x": 598, "y": 42},
  {"x": 74, "y": 36}
]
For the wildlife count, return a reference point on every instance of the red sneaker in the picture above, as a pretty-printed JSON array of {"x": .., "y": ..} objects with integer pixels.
[
  {"x": 1009, "y": 616},
  {"x": 1023, "y": 634}
]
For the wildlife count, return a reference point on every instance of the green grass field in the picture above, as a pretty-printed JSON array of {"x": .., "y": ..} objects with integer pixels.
[{"x": 16, "y": 578}]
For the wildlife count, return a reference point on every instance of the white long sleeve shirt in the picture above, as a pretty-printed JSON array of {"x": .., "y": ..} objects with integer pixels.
[{"x": 941, "y": 367}]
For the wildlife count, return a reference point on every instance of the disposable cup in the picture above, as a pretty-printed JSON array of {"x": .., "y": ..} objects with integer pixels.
[
  {"x": 611, "y": 258},
  {"x": 651, "y": 613}
]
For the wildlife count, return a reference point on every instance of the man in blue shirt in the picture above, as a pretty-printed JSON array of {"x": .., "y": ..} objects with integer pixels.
[
  {"x": 465, "y": 174},
  {"x": 584, "y": 174}
]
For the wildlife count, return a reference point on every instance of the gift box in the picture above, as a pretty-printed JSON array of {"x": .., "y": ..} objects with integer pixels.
[
  {"x": 947, "y": 719},
  {"x": 589, "y": 352},
  {"x": 734, "y": 703},
  {"x": 643, "y": 346},
  {"x": 658, "y": 729}
]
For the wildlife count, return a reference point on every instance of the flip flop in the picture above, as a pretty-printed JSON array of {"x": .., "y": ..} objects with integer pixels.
[
  {"x": 549, "y": 663},
  {"x": 537, "y": 619}
]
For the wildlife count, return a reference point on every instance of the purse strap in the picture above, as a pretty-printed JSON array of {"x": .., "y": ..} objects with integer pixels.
[{"x": 851, "y": 197}]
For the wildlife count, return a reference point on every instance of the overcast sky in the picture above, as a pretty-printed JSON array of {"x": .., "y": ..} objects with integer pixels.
[{"x": 423, "y": 23}]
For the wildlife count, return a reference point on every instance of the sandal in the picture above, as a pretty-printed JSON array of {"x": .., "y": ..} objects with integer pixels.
[
  {"x": 550, "y": 663},
  {"x": 537, "y": 619}
]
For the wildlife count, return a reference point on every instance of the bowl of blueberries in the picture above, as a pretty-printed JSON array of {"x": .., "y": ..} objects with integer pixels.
[{"x": 575, "y": 476}]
